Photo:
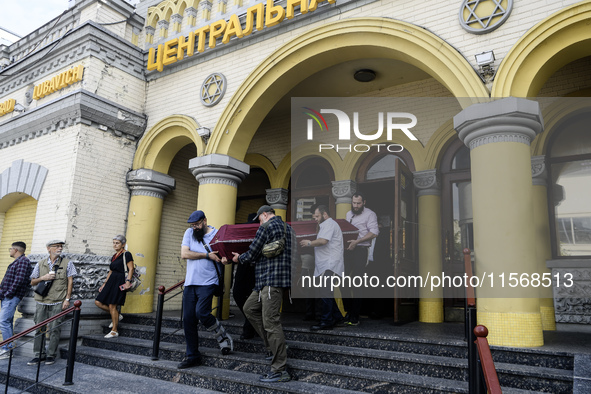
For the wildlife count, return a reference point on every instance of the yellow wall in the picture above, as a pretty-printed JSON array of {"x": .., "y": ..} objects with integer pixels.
[{"x": 19, "y": 222}]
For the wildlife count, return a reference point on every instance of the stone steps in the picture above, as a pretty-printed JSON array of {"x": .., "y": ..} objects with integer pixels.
[
  {"x": 386, "y": 368},
  {"x": 87, "y": 379}
]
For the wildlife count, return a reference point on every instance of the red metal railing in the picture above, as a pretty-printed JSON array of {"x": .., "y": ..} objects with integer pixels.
[
  {"x": 481, "y": 369},
  {"x": 486, "y": 361},
  {"x": 71, "y": 347}
]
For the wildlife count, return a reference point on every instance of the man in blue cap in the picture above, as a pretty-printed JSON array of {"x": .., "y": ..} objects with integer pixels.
[{"x": 200, "y": 282}]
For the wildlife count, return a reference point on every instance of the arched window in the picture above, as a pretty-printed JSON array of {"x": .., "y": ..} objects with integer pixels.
[{"x": 570, "y": 191}]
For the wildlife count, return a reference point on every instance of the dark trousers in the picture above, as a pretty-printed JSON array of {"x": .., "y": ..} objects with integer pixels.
[
  {"x": 196, "y": 308},
  {"x": 355, "y": 261},
  {"x": 243, "y": 285}
]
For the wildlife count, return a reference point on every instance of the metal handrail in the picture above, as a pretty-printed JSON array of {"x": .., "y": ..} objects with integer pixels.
[
  {"x": 162, "y": 292},
  {"x": 486, "y": 361},
  {"x": 71, "y": 347}
]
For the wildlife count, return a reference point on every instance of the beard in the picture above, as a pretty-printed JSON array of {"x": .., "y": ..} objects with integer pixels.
[
  {"x": 357, "y": 211},
  {"x": 198, "y": 234}
]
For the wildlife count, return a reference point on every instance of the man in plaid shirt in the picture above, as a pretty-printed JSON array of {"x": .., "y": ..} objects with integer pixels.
[
  {"x": 273, "y": 277},
  {"x": 13, "y": 288}
]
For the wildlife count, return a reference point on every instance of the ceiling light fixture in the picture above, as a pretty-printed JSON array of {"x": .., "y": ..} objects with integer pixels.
[{"x": 364, "y": 75}]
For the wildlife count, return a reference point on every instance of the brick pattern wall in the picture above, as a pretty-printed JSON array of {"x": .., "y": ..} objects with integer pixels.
[{"x": 571, "y": 78}]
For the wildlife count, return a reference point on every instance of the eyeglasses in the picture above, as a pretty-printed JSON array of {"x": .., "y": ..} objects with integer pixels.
[{"x": 197, "y": 224}]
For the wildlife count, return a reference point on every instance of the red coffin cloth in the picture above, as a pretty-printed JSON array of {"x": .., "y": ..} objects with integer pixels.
[{"x": 238, "y": 237}]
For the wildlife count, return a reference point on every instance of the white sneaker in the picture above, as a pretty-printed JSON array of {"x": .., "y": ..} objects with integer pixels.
[
  {"x": 120, "y": 318},
  {"x": 4, "y": 354},
  {"x": 112, "y": 334}
]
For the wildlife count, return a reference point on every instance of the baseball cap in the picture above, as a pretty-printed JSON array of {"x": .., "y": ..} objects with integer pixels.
[{"x": 263, "y": 209}]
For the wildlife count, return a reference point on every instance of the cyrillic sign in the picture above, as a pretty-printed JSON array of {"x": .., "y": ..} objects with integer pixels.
[{"x": 257, "y": 16}]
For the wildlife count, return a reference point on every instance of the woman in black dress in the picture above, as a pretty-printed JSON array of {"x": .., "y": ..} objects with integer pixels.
[{"x": 110, "y": 295}]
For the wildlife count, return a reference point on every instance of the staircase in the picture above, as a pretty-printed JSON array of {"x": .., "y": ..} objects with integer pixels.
[{"x": 374, "y": 357}]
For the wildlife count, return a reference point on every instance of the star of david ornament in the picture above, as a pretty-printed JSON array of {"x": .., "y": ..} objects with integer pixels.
[
  {"x": 213, "y": 89},
  {"x": 484, "y": 16}
]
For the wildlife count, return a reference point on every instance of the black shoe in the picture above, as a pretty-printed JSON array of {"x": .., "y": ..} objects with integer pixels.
[
  {"x": 34, "y": 361},
  {"x": 321, "y": 326},
  {"x": 49, "y": 360},
  {"x": 272, "y": 377},
  {"x": 188, "y": 363}
]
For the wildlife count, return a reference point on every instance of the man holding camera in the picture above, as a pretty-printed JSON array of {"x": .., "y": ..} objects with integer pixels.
[
  {"x": 12, "y": 290},
  {"x": 59, "y": 273}
]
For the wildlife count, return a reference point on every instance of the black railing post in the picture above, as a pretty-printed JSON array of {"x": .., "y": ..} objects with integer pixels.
[
  {"x": 8, "y": 371},
  {"x": 158, "y": 328},
  {"x": 42, "y": 350},
  {"x": 72, "y": 345}
]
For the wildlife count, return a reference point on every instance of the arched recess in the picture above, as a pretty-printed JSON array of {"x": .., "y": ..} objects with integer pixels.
[
  {"x": 551, "y": 44},
  {"x": 161, "y": 143},
  {"x": 262, "y": 162},
  {"x": 554, "y": 115},
  {"x": 326, "y": 46}
]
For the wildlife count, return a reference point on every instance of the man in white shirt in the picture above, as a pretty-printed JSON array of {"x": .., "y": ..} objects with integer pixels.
[
  {"x": 200, "y": 283},
  {"x": 328, "y": 255},
  {"x": 356, "y": 255}
]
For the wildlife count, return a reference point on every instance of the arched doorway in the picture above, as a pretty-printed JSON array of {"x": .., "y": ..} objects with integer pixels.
[{"x": 385, "y": 181}]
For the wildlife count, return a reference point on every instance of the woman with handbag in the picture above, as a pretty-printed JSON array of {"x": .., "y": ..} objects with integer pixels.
[{"x": 112, "y": 292}]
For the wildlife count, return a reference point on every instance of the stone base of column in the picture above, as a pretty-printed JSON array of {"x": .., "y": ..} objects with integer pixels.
[
  {"x": 547, "y": 312},
  {"x": 513, "y": 329},
  {"x": 431, "y": 311}
]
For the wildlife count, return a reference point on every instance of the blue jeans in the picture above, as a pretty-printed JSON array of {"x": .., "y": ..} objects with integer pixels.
[
  {"x": 6, "y": 318},
  {"x": 196, "y": 308}
]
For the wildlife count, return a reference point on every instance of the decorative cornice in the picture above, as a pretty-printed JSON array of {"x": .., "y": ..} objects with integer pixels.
[
  {"x": 539, "y": 173},
  {"x": 218, "y": 169},
  {"x": 150, "y": 30},
  {"x": 88, "y": 39},
  {"x": 77, "y": 107},
  {"x": 144, "y": 182},
  {"x": 343, "y": 191},
  {"x": 507, "y": 120},
  {"x": 277, "y": 198},
  {"x": 428, "y": 183}
]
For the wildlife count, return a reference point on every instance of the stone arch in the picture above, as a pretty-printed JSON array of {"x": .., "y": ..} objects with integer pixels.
[
  {"x": 262, "y": 162},
  {"x": 19, "y": 180},
  {"x": 551, "y": 44},
  {"x": 329, "y": 45},
  {"x": 160, "y": 144}
]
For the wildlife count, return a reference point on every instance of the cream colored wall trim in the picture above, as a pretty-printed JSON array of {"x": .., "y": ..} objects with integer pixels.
[
  {"x": 556, "y": 41},
  {"x": 161, "y": 143},
  {"x": 329, "y": 45}
]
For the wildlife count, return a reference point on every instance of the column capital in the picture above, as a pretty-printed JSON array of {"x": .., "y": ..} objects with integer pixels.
[
  {"x": 539, "y": 172},
  {"x": 277, "y": 198},
  {"x": 145, "y": 182},
  {"x": 163, "y": 24},
  {"x": 190, "y": 11},
  {"x": 176, "y": 18},
  {"x": 150, "y": 30},
  {"x": 428, "y": 183},
  {"x": 510, "y": 119},
  {"x": 343, "y": 191},
  {"x": 220, "y": 169}
]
